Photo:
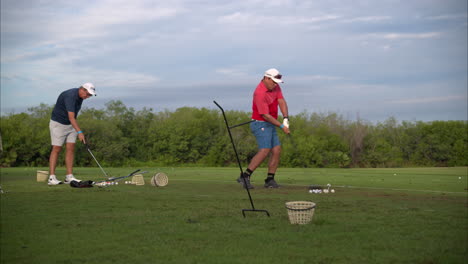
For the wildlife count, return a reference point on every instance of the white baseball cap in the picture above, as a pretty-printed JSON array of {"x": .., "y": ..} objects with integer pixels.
[
  {"x": 90, "y": 88},
  {"x": 274, "y": 74}
]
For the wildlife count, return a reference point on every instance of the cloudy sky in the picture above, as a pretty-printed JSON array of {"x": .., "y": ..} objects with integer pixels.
[{"x": 373, "y": 59}]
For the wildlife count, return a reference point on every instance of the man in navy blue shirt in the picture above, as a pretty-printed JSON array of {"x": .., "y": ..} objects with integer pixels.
[{"x": 64, "y": 128}]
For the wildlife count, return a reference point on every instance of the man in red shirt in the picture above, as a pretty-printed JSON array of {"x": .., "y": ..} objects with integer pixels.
[{"x": 266, "y": 99}]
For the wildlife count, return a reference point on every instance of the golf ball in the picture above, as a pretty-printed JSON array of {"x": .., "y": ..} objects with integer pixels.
[
  {"x": 459, "y": 178},
  {"x": 311, "y": 191},
  {"x": 325, "y": 191},
  {"x": 116, "y": 183},
  {"x": 332, "y": 190}
]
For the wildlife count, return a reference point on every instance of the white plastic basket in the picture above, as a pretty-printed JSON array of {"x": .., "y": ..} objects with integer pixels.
[
  {"x": 159, "y": 179},
  {"x": 300, "y": 212},
  {"x": 138, "y": 179}
]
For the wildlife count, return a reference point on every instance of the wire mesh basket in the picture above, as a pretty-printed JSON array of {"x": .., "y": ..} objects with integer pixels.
[
  {"x": 42, "y": 176},
  {"x": 159, "y": 179},
  {"x": 138, "y": 179},
  {"x": 300, "y": 212}
]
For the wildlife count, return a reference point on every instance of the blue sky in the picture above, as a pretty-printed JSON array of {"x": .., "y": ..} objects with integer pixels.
[{"x": 366, "y": 58}]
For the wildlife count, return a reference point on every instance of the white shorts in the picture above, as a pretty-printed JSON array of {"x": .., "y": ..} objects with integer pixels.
[{"x": 60, "y": 134}]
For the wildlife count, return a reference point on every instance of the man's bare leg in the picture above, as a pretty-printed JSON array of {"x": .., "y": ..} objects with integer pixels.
[
  {"x": 258, "y": 158},
  {"x": 54, "y": 158},
  {"x": 274, "y": 159},
  {"x": 69, "y": 157}
]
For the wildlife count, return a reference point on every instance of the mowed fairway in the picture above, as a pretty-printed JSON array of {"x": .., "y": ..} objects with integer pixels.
[{"x": 416, "y": 215}]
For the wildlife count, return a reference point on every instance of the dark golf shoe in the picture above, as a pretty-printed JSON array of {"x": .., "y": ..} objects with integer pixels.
[
  {"x": 245, "y": 183},
  {"x": 271, "y": 183}
]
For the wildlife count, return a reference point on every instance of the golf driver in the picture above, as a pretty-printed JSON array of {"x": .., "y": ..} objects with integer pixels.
[{"x": 238, "y": 161}]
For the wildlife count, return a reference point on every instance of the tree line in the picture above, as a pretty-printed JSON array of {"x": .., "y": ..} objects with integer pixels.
[{"x": 188, "y": 136}]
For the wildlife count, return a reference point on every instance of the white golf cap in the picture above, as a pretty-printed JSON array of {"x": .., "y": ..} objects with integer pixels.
[
  {"x": 274, "y": 74},
  {"x": 90, "y": 88}
]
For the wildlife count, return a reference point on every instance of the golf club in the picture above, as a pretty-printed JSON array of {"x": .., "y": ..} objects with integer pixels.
[
  {"x": 113, "y": 179},
  {"x": 293, "y": 142},
  {"x": 123, "y": 177},
  {"x": 89, "y": 150},
  {"x": 238, "y": 161}
]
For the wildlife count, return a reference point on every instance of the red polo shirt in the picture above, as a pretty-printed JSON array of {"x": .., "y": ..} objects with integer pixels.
[{"x": 265, "y": 101}]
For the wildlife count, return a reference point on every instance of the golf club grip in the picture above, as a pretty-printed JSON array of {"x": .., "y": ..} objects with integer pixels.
[
  {"x": 123, "y": 177},
  {"x": 135, "y": 171},
  {"x": 241, "y": 124}
]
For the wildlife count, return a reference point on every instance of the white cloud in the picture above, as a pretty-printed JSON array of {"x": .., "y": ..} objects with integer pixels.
[
  {"x": 231, "y": 71},
  {"x": 387, "y": 47},
  {"x": 127, "y": 12},
  {"x": 315, "y": 78},
  {"x": 368, "y": 19},
  {"x": 412, "y": 36},
  {"x": 292, "y": 20},
  {"x": 448, "y": 17},
  {"x": 239, "y": 18},
  {"x": 425, "y": 100},
  {"x": 397, "y": 36},
  {"x": 93, "y": 21}
]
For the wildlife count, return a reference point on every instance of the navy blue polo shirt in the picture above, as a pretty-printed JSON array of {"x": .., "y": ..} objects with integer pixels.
[{"x": 68, "y": 101}]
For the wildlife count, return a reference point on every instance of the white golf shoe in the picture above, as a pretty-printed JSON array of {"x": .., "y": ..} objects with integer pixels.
[
  {"x": 53, "y": 180},
  {"x": 69, "y": 178}
]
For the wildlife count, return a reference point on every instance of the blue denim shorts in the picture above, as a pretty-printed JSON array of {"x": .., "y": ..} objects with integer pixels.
[{"x": 265, "y": 133}]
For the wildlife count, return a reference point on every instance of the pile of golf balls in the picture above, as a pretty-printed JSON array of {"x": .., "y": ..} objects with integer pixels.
[
  {"x": 108, "y": 183},
  {"x": 321, "y": 191}
]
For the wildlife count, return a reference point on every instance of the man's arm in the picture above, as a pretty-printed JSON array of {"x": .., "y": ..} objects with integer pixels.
[
  {"x": 283, "y": 107},
  {"x": 275, "y": 122},
  {"x": 74, "y": 123}
]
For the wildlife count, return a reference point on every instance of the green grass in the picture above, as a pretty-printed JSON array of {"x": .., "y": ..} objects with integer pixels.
[{"x": 416, "y": 215}]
